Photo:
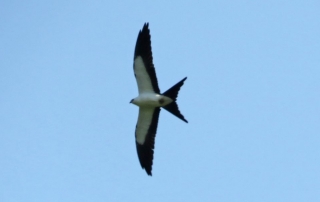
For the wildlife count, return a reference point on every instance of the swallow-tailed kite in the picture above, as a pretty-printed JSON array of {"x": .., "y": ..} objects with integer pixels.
[{"x": 150, "y": 100}]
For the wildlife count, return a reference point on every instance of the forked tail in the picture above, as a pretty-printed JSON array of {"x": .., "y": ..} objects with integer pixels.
[{"x": 173, "y": 94}]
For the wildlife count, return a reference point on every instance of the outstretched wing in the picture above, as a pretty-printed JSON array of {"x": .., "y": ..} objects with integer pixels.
[
  {"x": 146, "y": 130},
  {"x": 144, "y": 70}
]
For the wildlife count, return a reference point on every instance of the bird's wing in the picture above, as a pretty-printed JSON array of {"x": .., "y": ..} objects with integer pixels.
[
  {"x": 146, "y": 130},
  {"x": 144, "y": 70}
]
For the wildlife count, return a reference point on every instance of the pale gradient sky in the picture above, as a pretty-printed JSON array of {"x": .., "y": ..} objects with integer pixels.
[{"x": 252, "y": 100}]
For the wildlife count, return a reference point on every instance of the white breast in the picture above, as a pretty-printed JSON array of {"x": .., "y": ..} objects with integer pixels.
[{"x": 151, "y": 100}]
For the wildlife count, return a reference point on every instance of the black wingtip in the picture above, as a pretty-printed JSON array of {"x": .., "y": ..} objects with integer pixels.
[
  {"x": 145, "y": 155},
  {"x": 143, "y": 35},
  {"x": 146, "y": 24}
]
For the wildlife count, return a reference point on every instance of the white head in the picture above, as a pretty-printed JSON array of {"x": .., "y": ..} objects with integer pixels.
[{"x": 133, "y": 101}]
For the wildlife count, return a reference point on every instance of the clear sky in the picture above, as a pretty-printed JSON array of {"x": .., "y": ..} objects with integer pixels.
[{"x": 252, "y": 100}]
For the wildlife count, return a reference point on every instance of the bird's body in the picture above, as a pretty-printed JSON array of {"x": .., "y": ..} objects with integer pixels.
[{"x": 150, "y": 100}]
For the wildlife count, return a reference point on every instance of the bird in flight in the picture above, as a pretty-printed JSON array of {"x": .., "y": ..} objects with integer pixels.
[{"x": 150, "y": 100}]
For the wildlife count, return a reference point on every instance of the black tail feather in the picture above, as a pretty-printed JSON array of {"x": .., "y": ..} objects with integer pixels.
[
  {"x": 173, "y": 94},
  {"x": 173, "y": 109},
  {"x": 173, "y": 91}
]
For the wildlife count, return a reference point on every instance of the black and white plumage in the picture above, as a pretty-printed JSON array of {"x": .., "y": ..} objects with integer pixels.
[{"x": 150, "y": 100}]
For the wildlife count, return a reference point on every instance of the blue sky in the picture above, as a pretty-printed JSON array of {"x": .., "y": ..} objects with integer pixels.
[{"x": 251, "y": 98}]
